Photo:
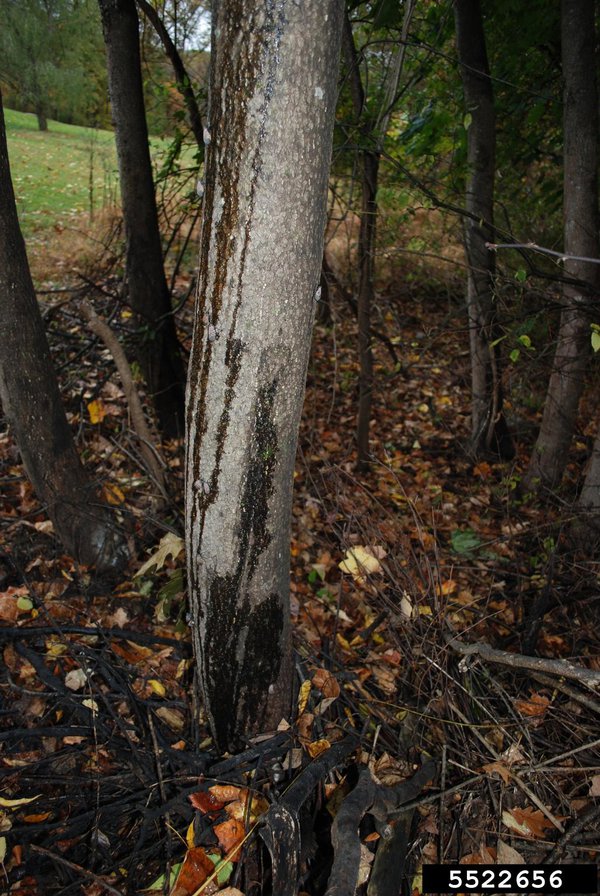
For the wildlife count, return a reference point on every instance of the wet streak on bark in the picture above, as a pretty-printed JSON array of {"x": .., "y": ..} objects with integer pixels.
[{"x": 273, "y": 84}]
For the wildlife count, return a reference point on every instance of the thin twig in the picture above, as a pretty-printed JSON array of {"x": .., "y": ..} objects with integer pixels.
[
  {"x": 150, "y": 456},
  {"x": 568, "y": 754},
  {"x": 588, "y": 817},
  {"x": 561, "y": 668},
  {"x": 569, "y": 691},
  {"x": 562, "y": 256},
  {"x": 77, "y": 868},
  {"x": 520, "y": 784}
]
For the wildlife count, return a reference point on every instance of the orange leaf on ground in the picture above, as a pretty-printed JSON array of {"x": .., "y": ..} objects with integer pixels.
[
  {"x": 35, "y": 819},
  {"x": 239, "y": 808},
  {"x": 528, "y": 821},
  {"x": 499, "y": 768},
  {"x": 130, "y": 652},
  {"x": 205, "y": 801},
  {"x": 230, "y": 834},
  {"x": 195, "y": 869},
  {"x": 304, "y": 726},
  {"x": 326, "y": 683},
  {"x": 8, "y": 608},
  {"x": 319, "y": 746},
  {"x": 226, "y": 792},
  {"x": 486, "y": 856},
  {"x": 9, "y": 602},
  {"x": 236, "y": 809},
  {"x": 447, "y": 587},
  {"x": 535, "y": 706}
]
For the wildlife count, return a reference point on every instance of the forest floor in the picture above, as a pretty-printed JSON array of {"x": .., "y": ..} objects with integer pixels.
[{"x": 107, "y": 785}]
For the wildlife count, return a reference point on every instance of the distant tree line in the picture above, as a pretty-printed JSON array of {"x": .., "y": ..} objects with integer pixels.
[{"x": 52, "y": 60}]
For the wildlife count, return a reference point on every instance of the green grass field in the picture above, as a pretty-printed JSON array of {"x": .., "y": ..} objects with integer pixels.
[{"x": 59, "y": 173}]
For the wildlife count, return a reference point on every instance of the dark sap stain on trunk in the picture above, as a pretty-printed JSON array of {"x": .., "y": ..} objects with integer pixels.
[
  {"x": 233, "y": 79},
  {"x": 243, "y": 639}
]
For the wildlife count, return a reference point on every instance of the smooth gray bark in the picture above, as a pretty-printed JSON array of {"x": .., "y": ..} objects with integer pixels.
[
  {"x": 32, "y": 404},
  {"x": 272, "y": 102},
  {"x": 580, "y": 198}
]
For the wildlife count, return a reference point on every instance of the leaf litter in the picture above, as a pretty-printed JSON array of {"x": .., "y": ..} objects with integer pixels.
[{"x": 386, "y": 569}]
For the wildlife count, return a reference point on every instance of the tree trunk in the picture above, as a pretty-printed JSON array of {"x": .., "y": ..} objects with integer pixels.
[
  {"x": 181, "y": 76},
  {"x": 41, "y": 117},
  {"x": 158, "y": 346},
  {"x": 372, "y": 135},
  {"x": 589, "y": 499},
  {"x": 580, "y": 198},
  {"x": 272, "y": 103},
  {"x": 366, "y": 266},
  {"x": 366, "y": 248},
  {"x": 32, "y": 404},
  {"x": 489, "y": 431}
]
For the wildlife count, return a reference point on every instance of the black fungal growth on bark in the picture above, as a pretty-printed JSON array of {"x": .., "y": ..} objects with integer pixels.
[{"x": 236, "y": 616}]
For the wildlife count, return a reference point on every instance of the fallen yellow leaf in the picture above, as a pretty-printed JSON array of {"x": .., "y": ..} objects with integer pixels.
[
  {"x": 361, "y": 561},
  {"x": 14, "y": 804},
  {"x": 157, "y": 686},
  {"x": 303, "y": 696},
  {"x": 170, "y": 546},
  {"x": 113, "y": 494},
  {"x": 97, "y": 411}
]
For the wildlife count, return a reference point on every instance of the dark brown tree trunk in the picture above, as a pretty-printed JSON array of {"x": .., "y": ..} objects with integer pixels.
[
  {"x": 366, "y": 248},
  {"x": 366, "y": 266},
  {"x": 181, "y": 76},
  {"x": 580, "y": 206},
  {"x": 158, "y": 346},
  {"x": 272, "y": 103},
  {"x": 489, "y": 431},
  {"x": 41, "y": 118},
  {"x": 372, "y": 135},
  {"x": 32, "y": 405},
  {"x": 589, "y": 499}
]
